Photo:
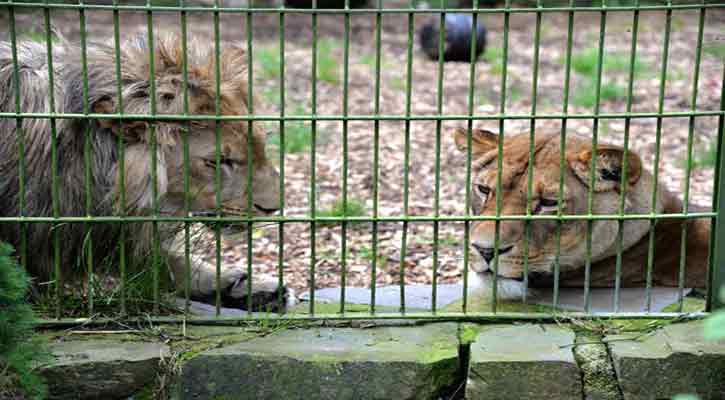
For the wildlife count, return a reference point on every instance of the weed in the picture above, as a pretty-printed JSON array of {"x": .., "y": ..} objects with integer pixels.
[
  {"x": 494, "y": 56},
  {"x": 585, "y": 63},
  {"x": 585, "y": 95},
  {"x": 716, "y": 50},
  {"x": 705, "y": 157},
  {"x": 297, "y": 135},
  {"x": 269, "y": 60},
  {"x": 327, "y": 66},
  {"x": 355, "y": 208}
]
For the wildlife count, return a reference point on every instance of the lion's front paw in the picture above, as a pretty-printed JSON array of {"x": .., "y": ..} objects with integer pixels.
[{"x": 266, "y": 295}]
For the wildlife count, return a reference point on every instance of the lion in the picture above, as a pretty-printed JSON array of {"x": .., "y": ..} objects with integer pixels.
[
  {"x": 105, "y": 95},
  {"x": 638, "y": 191}
]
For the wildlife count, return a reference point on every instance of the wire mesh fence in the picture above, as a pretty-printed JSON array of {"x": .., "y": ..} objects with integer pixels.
[{"x": 163, "y": 109}]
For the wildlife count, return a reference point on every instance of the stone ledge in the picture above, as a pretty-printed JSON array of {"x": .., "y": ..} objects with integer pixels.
[
  {"x": 674, "y": 360},
  {"x": 329, "y": 363},
  {"x": 522, "y": 362},
  {"x": 102, "y": 369}
]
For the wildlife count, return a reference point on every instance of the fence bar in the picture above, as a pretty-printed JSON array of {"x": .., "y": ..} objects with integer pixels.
[
  {"x": 20, "y": 132},
  {"x": 187, "y": 161},
  {"x": 280, "y": 231},
  {"x": 530, "y": 167},
  {"x": 345, "y": 88},
  {"x": 688, "y": 168},
  {"x": 469, "y": 133},
  {"x": 250, "y": 146},
  {"x": 592, "y": 165},
  {"x": 314, "y": 10},
  {"x": 88, "y": 241},
  {"x": 121, "y": 159},
  {"x": 376, "y": 157},
  {"x": 217, "y": 157},
  {"x": 623, "y": 183},
  {"x": 562, "y": 151},
  {"x": 437, "y": 196},
  {"x": 716, "y": 280},
  {"x": 656, "y": 167},
  {"x": 313, "y": 152},
  {"x": 353, "y": 117}
]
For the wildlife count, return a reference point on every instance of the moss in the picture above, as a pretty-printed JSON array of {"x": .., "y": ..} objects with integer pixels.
[{"x": 467, "y": 333}]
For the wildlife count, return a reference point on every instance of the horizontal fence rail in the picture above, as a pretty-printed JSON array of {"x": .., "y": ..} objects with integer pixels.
[{"x": 158, "y": 219}]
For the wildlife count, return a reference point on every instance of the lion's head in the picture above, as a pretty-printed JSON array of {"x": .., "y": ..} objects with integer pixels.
[
  {"x": 545, "y": 200},
  {"x": 202, "y": 133}
]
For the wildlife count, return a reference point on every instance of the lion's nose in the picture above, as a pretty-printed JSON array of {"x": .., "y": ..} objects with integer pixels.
[{"x": 488, "y": 253}]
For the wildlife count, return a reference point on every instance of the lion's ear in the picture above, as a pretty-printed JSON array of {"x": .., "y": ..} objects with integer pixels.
[
  {"x": 133, "y": 131},
  {"x": 609, "y": 167},
  {"x": 482, "y": 141}
]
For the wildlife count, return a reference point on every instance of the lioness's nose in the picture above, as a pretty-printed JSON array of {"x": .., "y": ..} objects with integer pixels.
[{"x": 489, "y": 252}]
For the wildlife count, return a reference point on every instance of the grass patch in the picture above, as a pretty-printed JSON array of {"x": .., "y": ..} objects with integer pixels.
[
  {"x": 706, "y": 157},
  {"x": 328, "y": 68},
  {"x": 39, "y": 37},
  {"x": 268, "y": 60},
  {"x": 716, "y": 50},
  {"x": 585, "y": 62},
  {"x": 585, "y": 95},
  {"x": 494, "y": 56},
  {"x": 355, "y": 208},
  {"x": 297, "y": 137}
]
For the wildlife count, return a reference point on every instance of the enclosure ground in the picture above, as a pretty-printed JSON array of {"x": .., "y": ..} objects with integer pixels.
[{"x": 426, "y": 197}]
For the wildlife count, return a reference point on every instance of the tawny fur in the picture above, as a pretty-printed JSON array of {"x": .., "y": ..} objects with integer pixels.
[
  {"x": 137, "y": 137},
  {"x": 639, "y": 187}
]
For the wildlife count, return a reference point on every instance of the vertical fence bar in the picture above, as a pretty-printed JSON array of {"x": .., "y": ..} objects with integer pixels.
[
  {"x": 121, "y": 158},
  {"x": 499, "y": 159},
  {"x": 187, "y": 161},
  {"x": 20, "y": 133},
  {"x": 469, "y": 133},
  {"x": 562, "y": 151},
  {"x": 313, "y": 162},
  {"x": 88, "y": 241},
  {"x": 280, "y": 231},
  {"x": 592, "y": 165},
  {"x": 656, "y": 167},
  {"x": 406, "y": 162},
  {"x": 58, "y": 278},
  {"x": 532, "y": 139},
  {"x": 623, "y": 184},
  {"x": 688, "y": 168},
  {"x": 217, "y": 157},
  {"x": 717, "y": 237},
  {"x": 343, "y": 227},
  {"x": 250, "y": 146},
  {"x": 154, "y": 159},
  {"x": 376, "y": 156},
  {"x": 439, "y": 122}
]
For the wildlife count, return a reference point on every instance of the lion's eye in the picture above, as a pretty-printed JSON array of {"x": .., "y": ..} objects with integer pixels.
[
  {"x": 545, "y": 204},
  {"x": 483, "y": 191},
  {"x": 168, "y": 97},
  {"x": 211, "y": 163}
]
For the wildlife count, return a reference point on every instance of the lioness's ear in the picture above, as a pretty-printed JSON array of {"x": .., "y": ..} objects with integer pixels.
[
  {"x": 609, "y": 166},
  {"x": 482, "y": 141}
]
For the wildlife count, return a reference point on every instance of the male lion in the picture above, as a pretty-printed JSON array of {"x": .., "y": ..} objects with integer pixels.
[
  {"x": 136, "y": 135},
  {"x": 545, "y": 201}
]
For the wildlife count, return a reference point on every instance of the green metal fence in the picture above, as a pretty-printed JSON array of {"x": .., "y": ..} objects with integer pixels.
[{"x": 717, "y": 258}]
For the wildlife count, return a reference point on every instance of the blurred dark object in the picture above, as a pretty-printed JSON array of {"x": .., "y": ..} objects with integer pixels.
[
  {"x": 325, "y": 3},
  {"x": 459, "y": 33}
]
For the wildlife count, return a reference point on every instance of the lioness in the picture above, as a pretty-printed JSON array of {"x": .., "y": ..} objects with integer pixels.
[
  {"x": 545, "y": 201},
  {"x": 136, "y": 135}
]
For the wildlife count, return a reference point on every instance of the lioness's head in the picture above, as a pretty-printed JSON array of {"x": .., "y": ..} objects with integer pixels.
[
  {"x": 232, "y": 143},
  {"x": 545, "y": 200}
]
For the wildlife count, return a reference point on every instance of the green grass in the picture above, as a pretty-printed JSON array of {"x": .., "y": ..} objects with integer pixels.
[
  {"x": 39, "y": 37},
  {"x": 716, "y": 50},
  {"x": 328, "y": 67},
  {"x": 297, "y": 134},
  {"x": 268, "y": 59},
  {"x": 494, "y": 56},
  {"x": 706, "y": 157},
  {"x": 585, "y": 63},
  {"x": 585, "y": 94},
  {"x": 355, "y": 208}
]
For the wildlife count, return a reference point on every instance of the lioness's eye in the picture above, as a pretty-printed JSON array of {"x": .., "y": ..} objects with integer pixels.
[
  {"x": 545, "y": 204},
  {"x": 483, "y": 190}
]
